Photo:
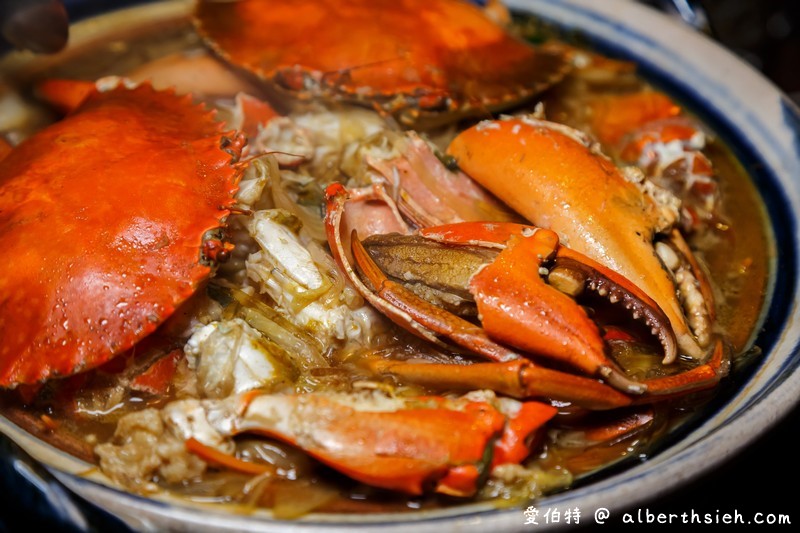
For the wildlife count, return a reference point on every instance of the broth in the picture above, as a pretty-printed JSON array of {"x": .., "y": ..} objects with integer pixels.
[{"x": 735, "y": 252}]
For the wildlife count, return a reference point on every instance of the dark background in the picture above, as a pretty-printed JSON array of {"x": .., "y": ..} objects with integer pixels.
[
  {"x": 764, "y": 477},
  {"x": 765, "y": 33}
]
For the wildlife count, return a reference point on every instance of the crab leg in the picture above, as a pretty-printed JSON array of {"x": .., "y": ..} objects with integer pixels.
[
  {"x": 519, "y": 379},
  {"x": 394, "y": 457}
]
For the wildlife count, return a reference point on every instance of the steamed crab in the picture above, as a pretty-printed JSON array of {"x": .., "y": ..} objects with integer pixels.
[
  {"x": 421, "y": 61},
  {"x": 77, "y": 299}
]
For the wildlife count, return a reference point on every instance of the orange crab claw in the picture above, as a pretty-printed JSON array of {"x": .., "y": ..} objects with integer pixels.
[
  {"x": 512, "y": 298},
  {"x": 523, "y": 290},
  {"x": 550, "y": 175},
  {"x": 412, "y": 445},
  {"x": 540, "y": 245},
  {"x": 517, "y": 309},
  {"x": 105, "y": 214},
  {"x": 424, "y": 59},
  {"x": 426, "y": 442},
  {"x": 509, "y": 317},
  {"x": 701, "y": 377},
  {"x": 397, "y": 458}
]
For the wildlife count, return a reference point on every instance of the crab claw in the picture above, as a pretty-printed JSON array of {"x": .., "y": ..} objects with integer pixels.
[
  {"x": 572, "y": 273},
  {"x": 516, "y": 306},
  {"x": 555, "y": 178},
  {"x": 410, "y": 445},
  {"x": 518, "y": 310}
]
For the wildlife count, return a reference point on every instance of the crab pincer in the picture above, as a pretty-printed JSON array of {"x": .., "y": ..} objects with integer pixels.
[
  {"x": 557, "y": 179},
  {"x": 518, "y": 312},
  {"x": 411, "y": 445}
]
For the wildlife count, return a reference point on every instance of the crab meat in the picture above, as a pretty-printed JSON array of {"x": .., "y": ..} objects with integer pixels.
[
  {"x": 300, "y": 284},
  {"x": 318, "y": 137},
  {"x": 427, "y": 192},
  {"x": 231, "y": 357}
]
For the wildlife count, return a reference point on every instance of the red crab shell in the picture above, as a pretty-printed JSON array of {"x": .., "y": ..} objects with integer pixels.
[
  {"x": 102, "y": 222},
  {"x": 405, "y": 55}
]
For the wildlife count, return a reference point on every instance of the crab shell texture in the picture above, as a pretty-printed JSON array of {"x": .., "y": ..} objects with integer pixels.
[
  {"x": 406, "y": 55},
  {"x": 554, "y": 180},
  {"x": 104, "y": 214}
]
